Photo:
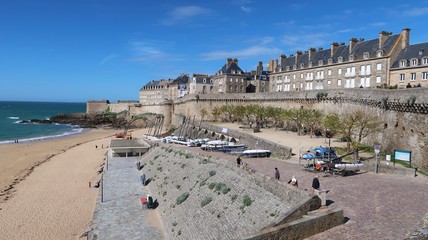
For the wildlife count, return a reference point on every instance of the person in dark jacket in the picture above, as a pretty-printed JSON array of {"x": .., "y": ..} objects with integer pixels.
[
  {"x": 315, "y": 183},
  {"x": 277, "y": 173}
]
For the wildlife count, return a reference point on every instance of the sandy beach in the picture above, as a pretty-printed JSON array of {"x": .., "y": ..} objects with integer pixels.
[{"x": 44, "y": 185}]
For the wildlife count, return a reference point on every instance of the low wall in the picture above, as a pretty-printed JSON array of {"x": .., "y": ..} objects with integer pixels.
[{"x": 318, "y": 221}]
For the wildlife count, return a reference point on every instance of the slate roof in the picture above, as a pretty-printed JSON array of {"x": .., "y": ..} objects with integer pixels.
[
  {"x": 155, "y": 83},
  {"x": 370, "y": 46},
  {"x": 201, "y": 80},
  {"x": 182, "y": 79},
  {"x": 232, "y": 67},
  {"x": 412, "y": 51}
]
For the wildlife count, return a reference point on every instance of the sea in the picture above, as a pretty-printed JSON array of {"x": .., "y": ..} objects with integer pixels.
[{"x": 11, "y": 113}]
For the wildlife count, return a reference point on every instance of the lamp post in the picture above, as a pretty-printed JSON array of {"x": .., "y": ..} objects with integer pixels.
[{"x": 328, "y": 134}]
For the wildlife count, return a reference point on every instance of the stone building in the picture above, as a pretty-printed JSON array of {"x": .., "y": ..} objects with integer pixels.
[
  {"x": 258, "y": 80},
  {"x": 201, "y": 84},
  {"x": 410, "y": 69},
  {"x": 360, "y": 64},
  {"x": 155, "y": 91},
  {"x": 230, "y": 78},
  {"x": 179, "y": 86}
]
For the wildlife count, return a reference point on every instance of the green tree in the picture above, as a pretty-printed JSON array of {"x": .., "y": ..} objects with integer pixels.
[
  {"x": 216, "y": 112},
  {"x": 357, "y": 125},
  {"x": 203, "y": 112},
  {"x": 312, "y": 118},
  {"x": 297, "y": 115}
]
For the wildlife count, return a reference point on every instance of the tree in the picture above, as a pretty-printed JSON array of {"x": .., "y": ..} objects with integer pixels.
[
  {"x": 312, "y": 118},
  {"x": 216, "y": 112},
  {"x": 357, "y": 125},
  {"x": 275, "y": 113},
  {"x": 297, "y": 116},
  {"x": 203, "y": 113}
]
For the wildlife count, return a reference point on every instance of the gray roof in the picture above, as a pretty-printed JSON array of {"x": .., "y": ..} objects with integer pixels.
[
  {"x": 232, "y": 67},
  {"x": 182, "y": 79},
  {"x": 418, "y": 51},
  {"x": 154, "y": 83},
  {"x": 361, "y": 47},
  {"x": 201, "y": 80}
]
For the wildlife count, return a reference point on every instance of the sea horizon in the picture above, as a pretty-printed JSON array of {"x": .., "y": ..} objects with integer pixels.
[{"x": 13, "y": 112}]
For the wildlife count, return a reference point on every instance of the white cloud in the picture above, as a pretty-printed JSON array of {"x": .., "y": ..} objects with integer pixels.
[
  {"x": 304, "y": 41},
  {"x": 413, "y": 12},
  {"x": 253, "y": 51},
  {"x": 378, "y": 24},
  {"x": 108, "y": 58},
  {"x": 184, "y": 14},
  {"x": 246, "y": 9}
]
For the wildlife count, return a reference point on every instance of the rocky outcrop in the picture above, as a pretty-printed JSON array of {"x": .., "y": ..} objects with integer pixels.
[{"x": 96, "y": 120}]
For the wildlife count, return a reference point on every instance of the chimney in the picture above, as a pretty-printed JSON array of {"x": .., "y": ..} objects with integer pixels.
[
  {"x": 236, "y": 61},
  {"x": 260, "y": 68},
  {"x": 228, "y": 62},
  {"x": 311, "y": 53},
  {"x": 283, "y": 59},
  {"x": 352, "y": 44},
  {"x": 298, "y": 54},
  {"x": 334, "y": 46},
  {"x": 383, "y": 36},
  {"x": 405, "y": 38},
  {"x": 272, "y": 66}
]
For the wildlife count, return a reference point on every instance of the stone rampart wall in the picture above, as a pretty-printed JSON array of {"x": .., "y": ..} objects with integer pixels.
[{"x": 215, "y": 207}]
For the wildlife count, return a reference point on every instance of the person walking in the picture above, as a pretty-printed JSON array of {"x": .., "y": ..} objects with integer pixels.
[
  {"x": 238, "y": 161},
  {"x": 315, "y": 184},
  {"x": 277, "y": 173}
]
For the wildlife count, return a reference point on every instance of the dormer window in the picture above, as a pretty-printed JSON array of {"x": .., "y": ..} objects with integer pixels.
[
  {"x": 351, "y": 58},
  {"x": 330, "y": 61},
  {"x": 205, "y": 80},
  {"x": 302, "y": 65},
  {"x": 366, "y": 55},
  {"x": 294, "y": 67},
  {"x": 309, "y": 64},
  {"x": 414, "y": 62},
  {"x": 424, "y": 61},
  {"x": 211, "y": 81},
  {"x": 403, "y": 63},
  {"x": 340, "y": 60},
  {"x": 379, "y": 53},
  {"x": 287, "y": 68},
  {"x": 320, "y": 62}
]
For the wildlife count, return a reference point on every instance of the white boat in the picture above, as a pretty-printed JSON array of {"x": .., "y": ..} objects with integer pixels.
[
  {"x": 213, "y": 144},
  {"x": 349, "y": 166},
  {"x": 257, "y": 153}
]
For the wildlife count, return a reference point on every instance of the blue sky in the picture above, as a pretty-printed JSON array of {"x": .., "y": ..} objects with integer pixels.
[{"x": 58, "y": 50}]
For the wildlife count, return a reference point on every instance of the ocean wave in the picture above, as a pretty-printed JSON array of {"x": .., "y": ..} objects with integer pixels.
[
  {"x": 68, "y": 133},
  {"x": 13, "y": 117}
]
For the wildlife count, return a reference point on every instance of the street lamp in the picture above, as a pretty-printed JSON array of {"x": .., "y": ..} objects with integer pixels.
[{"x": 328, "y": 134}]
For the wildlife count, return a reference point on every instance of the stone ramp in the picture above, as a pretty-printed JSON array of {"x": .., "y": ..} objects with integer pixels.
[{"x": 120, "y": 215}]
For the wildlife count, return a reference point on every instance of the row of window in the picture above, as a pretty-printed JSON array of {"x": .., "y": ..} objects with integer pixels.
[
  {"x": 413, "y": 62},
  {"x": 365, "y": 70},
  {"x": 349, "y": 83},
  {"x": 424, "y": 76}
]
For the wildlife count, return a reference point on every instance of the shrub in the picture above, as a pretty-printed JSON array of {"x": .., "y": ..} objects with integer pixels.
[
  {"x": 233, "y": 198},
  {"x": 247, "y": 201},
  {"x": 206, "y": 201},
  {"x": 182, "y": 198},
  {"x": 151, "y": 162},
  {"x": 178, "y": 186},
  {"x": 204, "y": 161},
  {"x": 183, "y": 165},
  {"x": 211, "y": 185},
  {"x": 212, "y": 173},
  {"x": 202, "y": 183}
]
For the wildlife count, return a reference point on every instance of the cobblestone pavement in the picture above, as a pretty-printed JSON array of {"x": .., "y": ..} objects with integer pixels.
[
  {"x": 376, "y": 206},
  {"x": 120, "y": 215}
]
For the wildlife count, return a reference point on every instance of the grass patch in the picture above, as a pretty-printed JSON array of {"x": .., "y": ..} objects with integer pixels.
[
  {"x": 182, "y": 198},
  {"x": 403, "y": 163},
  {"x": 204, "y": 161},
  {"x": 206, "y": 201},
  {"x": 247, "y": 201}
]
